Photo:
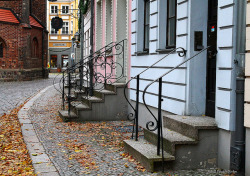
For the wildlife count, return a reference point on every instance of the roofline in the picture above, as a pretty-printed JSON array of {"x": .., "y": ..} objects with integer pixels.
[
  {"x": 12, "y": 13},
  {"x": 38, "y": 20}
]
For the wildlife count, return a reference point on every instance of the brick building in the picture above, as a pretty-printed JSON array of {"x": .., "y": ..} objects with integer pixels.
[{"x": 23, "y": 40}]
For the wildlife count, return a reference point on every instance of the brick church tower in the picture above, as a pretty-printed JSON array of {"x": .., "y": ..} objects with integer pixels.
[{"x": 23, "y": 40}]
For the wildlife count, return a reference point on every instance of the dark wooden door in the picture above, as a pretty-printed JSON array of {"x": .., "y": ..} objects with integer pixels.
[{"x": 211, "y": 57}]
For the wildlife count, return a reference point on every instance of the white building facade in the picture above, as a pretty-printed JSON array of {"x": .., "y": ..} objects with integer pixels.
[{"x": 204, "y": 86}]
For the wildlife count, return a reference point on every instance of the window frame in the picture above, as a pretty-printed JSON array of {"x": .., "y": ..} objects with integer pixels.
[
  {"x": 67, "y": 32},
  {"x": 1, "y": 49},
  {"x": 65, "y": 9},
  {"x": 168, "y": 23},
  {"x": 52, "y": 30},
  {"x": 35, "y": 51},
  {"x": 54, "y": 9},
  {"x": 71, "y": 27},
  {"x": 146, "y": 25}
]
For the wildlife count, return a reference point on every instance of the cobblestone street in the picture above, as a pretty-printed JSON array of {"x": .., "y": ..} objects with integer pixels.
[
  {"x": 88, "y": 148},
  {"x": 12, "y": 94}
]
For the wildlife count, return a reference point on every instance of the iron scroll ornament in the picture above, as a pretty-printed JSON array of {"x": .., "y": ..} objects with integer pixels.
[{"x": 181, "y": 53}]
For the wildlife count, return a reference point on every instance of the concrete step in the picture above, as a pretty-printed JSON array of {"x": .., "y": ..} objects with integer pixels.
[
  {"x": 114, "y": 86},
  {"x": 101, "y": 93},
  {"x": 146, "y": 153},
  {"x": 79, "y": 106},
  {"x": 105, "y": 105},
  {"x": 66, "y": 116},
  {"x": 170, "y": 139},
  {"x": 189, "y": 125},
  {"x": 91, "y": 99}
]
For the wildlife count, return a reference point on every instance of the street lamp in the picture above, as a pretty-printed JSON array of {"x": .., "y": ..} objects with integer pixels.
[{"x": 77, "y": 36}]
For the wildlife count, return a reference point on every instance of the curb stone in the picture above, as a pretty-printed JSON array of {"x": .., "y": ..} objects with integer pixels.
[{"x": 40, "y": 160}]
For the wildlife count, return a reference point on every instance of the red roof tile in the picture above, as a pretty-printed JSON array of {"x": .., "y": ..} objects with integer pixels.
[
  {"x": 33, "y": 22},
  {"x": 7, "y": 16}
]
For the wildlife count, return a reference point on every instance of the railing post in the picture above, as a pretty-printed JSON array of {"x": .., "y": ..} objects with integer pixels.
[
  {"x": 105, "y": 60},
  {"x": 137, "y": 107},
  {"x": 63, "y": 93},
  {"x": 159, "y": 123},
  {"x": 81, "y": 74},
  {"x": 69, "y": 85}
]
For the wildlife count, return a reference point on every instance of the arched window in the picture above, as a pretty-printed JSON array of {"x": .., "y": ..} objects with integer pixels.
[
  {"x": 1, "y": 49},
  {"x": 35, "y": 48}
]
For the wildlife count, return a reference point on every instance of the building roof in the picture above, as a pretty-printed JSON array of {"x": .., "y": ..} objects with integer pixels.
[
  {"x": 34, "y": 22},
  {"x": 6, "y": 15}
]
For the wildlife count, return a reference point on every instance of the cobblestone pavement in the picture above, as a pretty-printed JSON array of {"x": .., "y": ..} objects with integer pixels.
[
  {"x": 91, "y": 148},
  {"x": 13, "y": 94}
]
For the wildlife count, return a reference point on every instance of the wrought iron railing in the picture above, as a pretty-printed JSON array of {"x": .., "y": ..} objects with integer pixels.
[
  {"x": 135, "y": 116},
  {"x": 157, "y": 123},
  {"x": 94, "y": 72}
]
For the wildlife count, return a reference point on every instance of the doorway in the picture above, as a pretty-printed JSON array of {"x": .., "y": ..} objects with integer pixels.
[{"x": 211, "y": 57}]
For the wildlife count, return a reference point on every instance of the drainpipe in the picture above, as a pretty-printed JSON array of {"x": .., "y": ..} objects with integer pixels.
[
  {"x": 91, "y": 48},
  {"x": 43, "y": 70},
  {"x": 237, "y": 157}
]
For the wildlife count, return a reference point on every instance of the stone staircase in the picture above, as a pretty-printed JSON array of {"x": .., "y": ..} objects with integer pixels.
[
  {"x": 106, "y": 104},
  {"x": 189, "y": 143}
]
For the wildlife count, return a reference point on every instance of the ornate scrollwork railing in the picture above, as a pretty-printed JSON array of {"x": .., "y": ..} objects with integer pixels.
[
  {"x": 134, "y": 116},
  {"x": 156, "y": 124},
  {"x": 94, "y": 72}
]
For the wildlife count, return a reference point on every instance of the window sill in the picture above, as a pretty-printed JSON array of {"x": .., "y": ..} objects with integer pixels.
[
  {"x": 141, "y": 53},
  {"x": 165, "y": 51}
]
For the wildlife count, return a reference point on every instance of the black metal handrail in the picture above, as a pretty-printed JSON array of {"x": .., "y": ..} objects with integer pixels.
[
  {"x": 135, "y": 116},
  {"x": 74, "y": 66},
  {"x": 98, "y": 60},
  {"x": 152, "y": 126}
]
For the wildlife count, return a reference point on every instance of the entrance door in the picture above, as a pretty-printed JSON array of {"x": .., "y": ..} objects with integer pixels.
[{"x": 211, "y": 57}]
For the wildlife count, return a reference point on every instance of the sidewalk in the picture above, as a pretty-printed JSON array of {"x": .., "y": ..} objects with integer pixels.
[{"x": 91, "y": 148}]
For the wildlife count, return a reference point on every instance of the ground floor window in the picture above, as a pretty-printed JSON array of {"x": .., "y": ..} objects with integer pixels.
[
  {"x": 65, "y": 60},
  {"x": 53, "y": 61}
]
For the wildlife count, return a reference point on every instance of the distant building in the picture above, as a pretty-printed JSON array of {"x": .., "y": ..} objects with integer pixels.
[
  {"x": 60, "y": 42},
  {"x": 23, "y": 40}
]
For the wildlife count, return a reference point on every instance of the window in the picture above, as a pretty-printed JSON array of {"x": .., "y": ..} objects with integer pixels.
[
  {"x": 65, "y": 28},
  {"x": 1, "y": 49},
  {"x": 146, "y": 24},
  {"x": 52, "y": 30},
  {"x": 87, "y": 43},
  {"x": 71, "y": 27},
  {"x": 171, "y": 23},
  {"x": 54, "y": 9},
  {"x": 65, "y": 60},
  {"x": 35, "y": 48},
  {"x": 53, "y": 61},
  {"x": 65, "y": 9},
  {"x": 72, "y": 8}
]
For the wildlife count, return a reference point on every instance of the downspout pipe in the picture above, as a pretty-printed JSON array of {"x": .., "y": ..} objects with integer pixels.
[
  {"x": 43, "y": 70},
  {"x": 237, "y": 158},
  {"x": 91, "y": 48}
]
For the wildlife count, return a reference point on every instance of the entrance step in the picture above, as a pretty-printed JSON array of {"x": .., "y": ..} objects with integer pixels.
[
  {"x": 105, "y": 105},
  {"x": 66, "y": 116},
  {"x": 170, "y": 139},
  {"x": 189, "y": 125},
  {"x": 146, "y": 153},
  {"x": 192, "y": 141}
]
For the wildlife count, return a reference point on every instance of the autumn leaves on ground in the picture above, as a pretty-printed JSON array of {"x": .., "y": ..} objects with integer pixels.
[{"x": 14, "y": 157}]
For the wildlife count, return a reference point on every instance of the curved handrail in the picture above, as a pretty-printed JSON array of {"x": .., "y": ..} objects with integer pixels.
[
  {"x": 80, "y": 63},
  {"x": 84, "y": 63},
  {"x": 181, "y": 54},
  {"x": 151, "y": 123},
  {"x": 75, "y": 64}
]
